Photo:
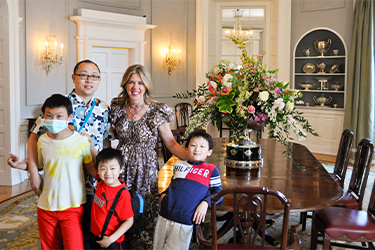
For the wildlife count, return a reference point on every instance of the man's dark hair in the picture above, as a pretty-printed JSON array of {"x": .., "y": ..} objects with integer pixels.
[
  {"x": 204, "y": 135},
  {"x": 58, "y": 101},
  {"x": 108, "y": 154},
  {"x": 84, "y": 61}
]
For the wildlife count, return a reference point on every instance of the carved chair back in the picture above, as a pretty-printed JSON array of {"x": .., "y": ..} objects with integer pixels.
[
  {"x": 343, "y": 155},
  {"x": 361, "y": 170}
]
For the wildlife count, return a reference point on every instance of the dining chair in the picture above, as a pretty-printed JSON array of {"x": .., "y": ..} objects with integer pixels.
[
  {"x": 222, "y": 127},
  {"x": 183, "y": 111},
  {"x": 353, "y": 196},
  {"x": 249, "y": 219},
  {"x": 345, "y": 225},
  {"x": 341, "y": 165},
  {"x": 342, "y": 158}
]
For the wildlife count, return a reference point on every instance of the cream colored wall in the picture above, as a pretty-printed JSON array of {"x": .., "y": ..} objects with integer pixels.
[
  {"x": 177, "y": 26},
  {"x": 336, "y": 15}
]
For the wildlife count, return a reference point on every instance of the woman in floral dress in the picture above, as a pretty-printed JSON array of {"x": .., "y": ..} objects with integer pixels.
[{"x": 137, "y": 121}]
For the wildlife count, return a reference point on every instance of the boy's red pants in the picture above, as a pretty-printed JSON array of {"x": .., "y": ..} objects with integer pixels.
[{"x": 58, "y": 226}]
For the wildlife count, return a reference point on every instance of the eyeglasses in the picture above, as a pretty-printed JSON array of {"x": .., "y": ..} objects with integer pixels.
[{"x": 85, "y": 77}]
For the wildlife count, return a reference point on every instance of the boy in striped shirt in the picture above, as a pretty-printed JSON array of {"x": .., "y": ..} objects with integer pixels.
[{"x": 188, "y": 196}]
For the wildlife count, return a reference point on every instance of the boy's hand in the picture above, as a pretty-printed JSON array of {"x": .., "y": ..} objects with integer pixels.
[
  {"x": 105, "y": 242},
  {"x": 13, "y": 161},
  {"x": 200, "y": 212},
  {"x": 37, "y": 184},
  {"x": 162, "y": 197}
]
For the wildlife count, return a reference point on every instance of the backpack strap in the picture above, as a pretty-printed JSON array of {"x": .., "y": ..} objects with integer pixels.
[
  {"x": 141, "y": 204},
  {"x": 111, "y": 211}
]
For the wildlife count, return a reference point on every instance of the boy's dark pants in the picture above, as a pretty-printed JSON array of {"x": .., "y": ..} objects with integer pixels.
[{"x": 94, "y": 245}]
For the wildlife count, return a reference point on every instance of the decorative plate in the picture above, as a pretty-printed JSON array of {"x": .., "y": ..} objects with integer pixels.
[{"x": 309, "y": 68}]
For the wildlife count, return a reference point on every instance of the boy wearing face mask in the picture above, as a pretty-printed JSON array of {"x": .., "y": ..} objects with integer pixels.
[{"x": 61, "y": 154}]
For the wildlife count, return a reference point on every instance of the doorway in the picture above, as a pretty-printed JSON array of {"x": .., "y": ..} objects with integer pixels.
[{"x": 112, "y": 63}]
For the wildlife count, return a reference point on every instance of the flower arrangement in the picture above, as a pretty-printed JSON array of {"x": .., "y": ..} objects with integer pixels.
[{"x": 237, "y": 94}]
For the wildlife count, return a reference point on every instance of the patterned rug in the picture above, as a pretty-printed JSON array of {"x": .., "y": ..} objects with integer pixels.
[
  {"x": 18, "y": 223},
  {"x": 19, "y": 229}
]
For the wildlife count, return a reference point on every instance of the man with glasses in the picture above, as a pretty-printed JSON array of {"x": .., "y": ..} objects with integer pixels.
[{"x": 90, "y": 116}]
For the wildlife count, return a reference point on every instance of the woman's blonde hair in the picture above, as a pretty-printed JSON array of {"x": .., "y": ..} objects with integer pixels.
[{"x": 123, "y": 98}]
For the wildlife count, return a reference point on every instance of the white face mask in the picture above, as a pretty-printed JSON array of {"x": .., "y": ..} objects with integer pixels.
[{"x": 55, "y": 126}]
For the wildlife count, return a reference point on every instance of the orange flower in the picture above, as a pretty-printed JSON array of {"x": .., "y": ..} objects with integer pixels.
[{"x": 219, "y": 77}]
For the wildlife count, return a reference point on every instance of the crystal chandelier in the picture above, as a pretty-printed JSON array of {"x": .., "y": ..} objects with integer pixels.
[{"x": 237, "y": 32}]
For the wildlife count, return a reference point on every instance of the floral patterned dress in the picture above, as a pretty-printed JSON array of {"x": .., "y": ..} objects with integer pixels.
[{"x": 137, "y": 141}]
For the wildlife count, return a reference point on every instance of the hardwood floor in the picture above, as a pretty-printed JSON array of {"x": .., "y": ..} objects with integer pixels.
[{"x": 7, "y": 192}]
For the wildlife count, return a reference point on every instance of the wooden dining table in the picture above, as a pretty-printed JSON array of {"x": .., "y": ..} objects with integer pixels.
[{"x": 302, "y": 178}]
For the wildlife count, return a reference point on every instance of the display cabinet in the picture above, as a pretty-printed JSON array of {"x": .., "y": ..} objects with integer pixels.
[
  {"x": 316, "y": 75},
  {"x": 320, "y": 74}
]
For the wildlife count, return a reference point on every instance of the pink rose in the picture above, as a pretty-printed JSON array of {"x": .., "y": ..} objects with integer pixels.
[
  {"x": 251, "y": 109},
  {"x": 225, "y": 90},
  {"x": 256, "y": 89}
]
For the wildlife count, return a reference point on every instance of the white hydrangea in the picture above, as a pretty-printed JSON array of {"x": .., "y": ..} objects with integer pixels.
[{"x": 226, "y": 80}]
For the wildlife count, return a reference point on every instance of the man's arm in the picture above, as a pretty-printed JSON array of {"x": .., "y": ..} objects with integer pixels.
[{"x": 36, "y": 180}]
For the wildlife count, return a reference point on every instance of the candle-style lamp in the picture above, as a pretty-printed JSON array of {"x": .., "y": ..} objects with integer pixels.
[
  {"x": 50, "y": 58},
  {"x": 172, "y": 59}
]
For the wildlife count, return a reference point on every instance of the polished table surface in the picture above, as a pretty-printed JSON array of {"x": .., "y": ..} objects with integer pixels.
[{"x": 308, "y": 190}]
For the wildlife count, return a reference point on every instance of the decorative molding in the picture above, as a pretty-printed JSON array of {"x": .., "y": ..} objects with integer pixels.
[
  {"x": 126, "y": 4},
  {"x": 99, "y": 28},
  {"x": 316, "y": 5}
]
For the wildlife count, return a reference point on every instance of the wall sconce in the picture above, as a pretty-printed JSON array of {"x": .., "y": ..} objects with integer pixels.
[
  {"x": 50, "y": 57},
  {"x": 172, "y": 59}
]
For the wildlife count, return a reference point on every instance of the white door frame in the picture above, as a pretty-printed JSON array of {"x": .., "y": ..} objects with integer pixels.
[
  {"x": 10, "y": 92},
  {"x": 204, "y": 35}
]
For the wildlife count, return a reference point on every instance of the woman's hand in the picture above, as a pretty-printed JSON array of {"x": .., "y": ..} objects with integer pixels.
[{"x": 170, "y": 142}]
